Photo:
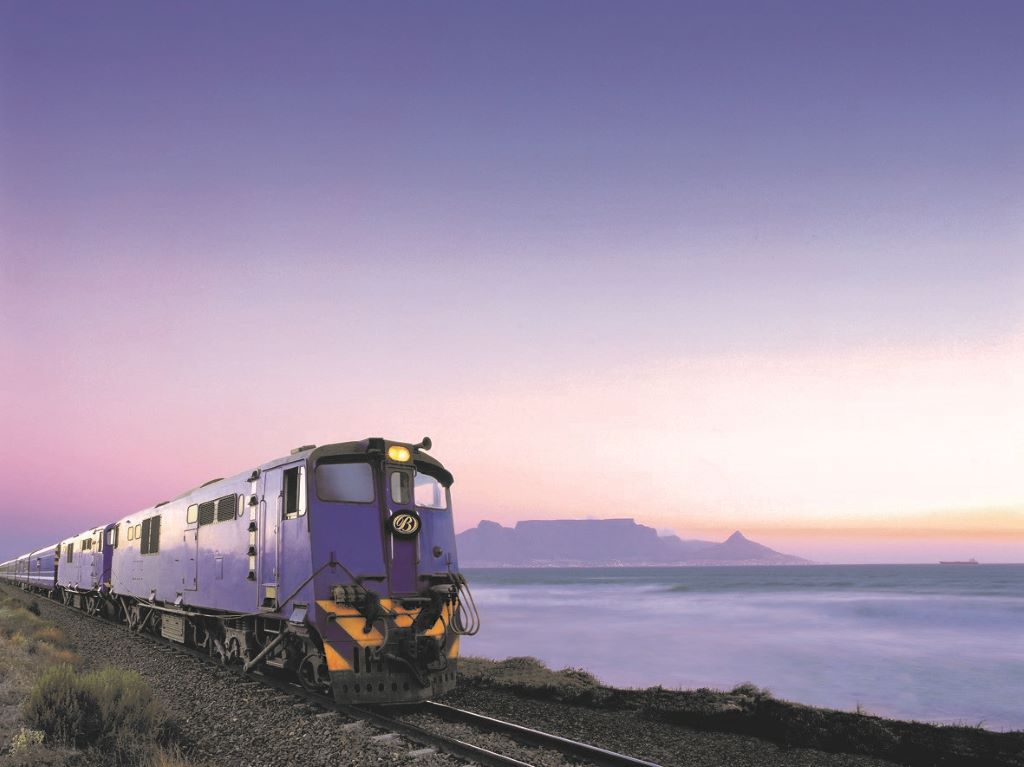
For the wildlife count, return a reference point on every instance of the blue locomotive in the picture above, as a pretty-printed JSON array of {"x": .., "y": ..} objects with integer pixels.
[{"x": 335, "y": 563}]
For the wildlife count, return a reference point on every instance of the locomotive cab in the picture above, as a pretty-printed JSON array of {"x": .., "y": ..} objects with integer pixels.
[{"x": 385, "y": 601}]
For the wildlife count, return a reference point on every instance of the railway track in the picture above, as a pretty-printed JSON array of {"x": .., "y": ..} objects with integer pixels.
[
  {"x": 392, "y": 723},
  {"x": 383, "y": 718}
]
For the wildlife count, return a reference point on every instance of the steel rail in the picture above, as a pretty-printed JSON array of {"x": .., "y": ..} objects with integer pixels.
[
  {"x": 453, "y": 746},
  {"x": 593, "y": 754}
]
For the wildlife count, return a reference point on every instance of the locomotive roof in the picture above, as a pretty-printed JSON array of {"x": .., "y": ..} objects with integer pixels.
[
  {"x": 376, "y": 446},
  {"x": 369, "y": 446}
]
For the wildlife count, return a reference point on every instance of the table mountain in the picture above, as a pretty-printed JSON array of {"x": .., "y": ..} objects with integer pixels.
[{"x": 601, "y": 543}]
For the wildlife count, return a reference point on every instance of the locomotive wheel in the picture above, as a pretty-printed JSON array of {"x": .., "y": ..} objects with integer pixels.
[
  {"x": 227, "y": 652},
  {"x": 234, "y": 650},
  {"x": 313, "y": 674}
]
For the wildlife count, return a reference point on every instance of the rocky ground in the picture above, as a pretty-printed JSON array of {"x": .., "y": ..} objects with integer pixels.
[
  {"x": 223, "y": 719},
  {"x": 715, "y": 727}
]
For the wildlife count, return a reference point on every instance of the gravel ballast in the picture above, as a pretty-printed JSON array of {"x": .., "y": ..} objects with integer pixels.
[{"x": 225, "y": 719}]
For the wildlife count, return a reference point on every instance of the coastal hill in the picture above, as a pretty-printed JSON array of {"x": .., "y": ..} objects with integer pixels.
[{"x": 603, "y": 543}]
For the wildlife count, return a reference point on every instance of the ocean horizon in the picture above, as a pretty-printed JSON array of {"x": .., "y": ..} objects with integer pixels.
[{"x": 934, "y": 643}]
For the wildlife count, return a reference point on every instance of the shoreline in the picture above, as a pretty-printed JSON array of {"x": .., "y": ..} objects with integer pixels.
[{"x": 750, "y": 711}]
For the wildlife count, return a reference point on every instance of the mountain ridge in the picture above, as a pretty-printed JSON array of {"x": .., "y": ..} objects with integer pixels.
[{"x": 603, "y": 543}]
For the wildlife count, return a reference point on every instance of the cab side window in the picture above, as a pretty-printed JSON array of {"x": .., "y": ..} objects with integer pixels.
[{"x": 294, "y": 493}]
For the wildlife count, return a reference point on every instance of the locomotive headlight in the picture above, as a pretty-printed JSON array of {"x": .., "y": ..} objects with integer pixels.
[{"x": 399, "y": 453}]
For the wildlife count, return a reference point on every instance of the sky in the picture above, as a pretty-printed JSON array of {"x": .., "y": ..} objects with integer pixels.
[{"x": 713, "y": 266}]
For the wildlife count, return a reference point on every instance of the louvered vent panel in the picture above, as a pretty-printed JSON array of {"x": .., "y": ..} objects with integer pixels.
[
  {"x": 226, "y": 508},
  {"x": 206, "y": 512}
]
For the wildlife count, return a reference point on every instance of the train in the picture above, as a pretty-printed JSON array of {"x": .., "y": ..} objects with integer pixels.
[{"x": 334, "y": 564}]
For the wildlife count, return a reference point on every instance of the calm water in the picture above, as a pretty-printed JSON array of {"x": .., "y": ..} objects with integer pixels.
[{"x": 927, "y": 642}]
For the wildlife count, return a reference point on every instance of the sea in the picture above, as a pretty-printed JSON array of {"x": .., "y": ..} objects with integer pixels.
[{"x": 933, "y": 643}]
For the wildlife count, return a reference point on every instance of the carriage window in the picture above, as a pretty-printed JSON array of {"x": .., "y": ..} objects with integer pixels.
[
  {"x": 192, "y": 513},
  {"x": 71, "y": 551},
  {"x": 138, "y": 531},
  {"x": 430, "y": 493},
  {"x": 399, "y": 487},
  {"x": 294, "y": 493},
  {"x": 346, "y": 482},
  {"x": 150, "y": 536}
]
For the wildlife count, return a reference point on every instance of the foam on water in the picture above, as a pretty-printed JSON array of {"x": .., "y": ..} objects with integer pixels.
[{"x": 933, "y": 643}]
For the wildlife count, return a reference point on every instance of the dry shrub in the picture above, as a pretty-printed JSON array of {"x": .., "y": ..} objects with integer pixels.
[
  {"x": 57, "y": 656},
  {"x": 25, "y": 739},
  {"x": 751, "y": 692},
  {"x": 27, "y": 636},
  {"x": 111, "y": 710},
  {"x": 50, "y": 634},
  {"x": 529, "y": 675}
]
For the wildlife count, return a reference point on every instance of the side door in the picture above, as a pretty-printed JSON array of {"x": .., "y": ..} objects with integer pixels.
[
  {"x": 109, "y": 541},
  {"x": 294, "y": 559},
  {"x": 269, "y": 549},
  {"x": 95, "y": 559},
  {"x": 190, "y": 553}
]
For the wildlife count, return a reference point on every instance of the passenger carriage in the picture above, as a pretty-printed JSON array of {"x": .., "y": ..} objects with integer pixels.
[{"x": 42, "y": 570}]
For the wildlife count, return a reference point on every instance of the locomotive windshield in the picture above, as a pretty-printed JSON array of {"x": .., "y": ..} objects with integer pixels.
[
  {"x": 430, "y": 493},
  {"x": 345, "y": 482}
]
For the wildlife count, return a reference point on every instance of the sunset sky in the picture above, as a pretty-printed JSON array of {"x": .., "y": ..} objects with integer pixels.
[{"x": 708, "y": 265}]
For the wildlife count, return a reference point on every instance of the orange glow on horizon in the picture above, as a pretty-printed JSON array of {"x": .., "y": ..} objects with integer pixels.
[{"x": 977, "y": 524}]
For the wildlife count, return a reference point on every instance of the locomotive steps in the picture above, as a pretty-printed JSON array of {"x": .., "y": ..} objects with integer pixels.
[{"x": 227, "y": 719}]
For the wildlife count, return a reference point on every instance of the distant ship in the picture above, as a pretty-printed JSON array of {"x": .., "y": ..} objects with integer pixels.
[{"x": 971, "y": 561}]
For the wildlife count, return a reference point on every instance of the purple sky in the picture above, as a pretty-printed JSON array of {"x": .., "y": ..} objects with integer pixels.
[{"x": 569, "y": 241}]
